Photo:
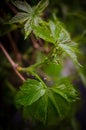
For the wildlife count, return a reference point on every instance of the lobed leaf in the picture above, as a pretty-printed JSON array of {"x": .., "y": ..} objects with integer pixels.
[
  {"x": 68, "y": 50},
  {"x": 23, "y": 6},
  {"x": 30, "y": 92},
  {"x": 19, "y": 18},
  {"x": 63, "y": 36},
  {"x": 64, "y": 88},
  {"x": 48, "y": 105},
  {"x": 41, "y": 6},
  {"x": 27, "y": 28},
  {"x": 37, "y": 110},
  {"x": 29, "y": 15},
  {"x": 43, "y": 32},
  {"x": 55, "y": 29},
  {"x": 58, "y": 32}
]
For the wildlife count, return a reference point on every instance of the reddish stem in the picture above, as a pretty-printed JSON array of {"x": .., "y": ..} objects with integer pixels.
[{"x": 13, "y": 64}]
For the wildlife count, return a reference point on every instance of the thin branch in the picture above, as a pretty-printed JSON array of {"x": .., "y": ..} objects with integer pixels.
[
  {"x": 15, "y": 49},
  {"x": 13, "y": 64},
  {"x": 37, "y": 46},
  {"x": 28, "y": 69},
  {"x": 40, "y": 42}
]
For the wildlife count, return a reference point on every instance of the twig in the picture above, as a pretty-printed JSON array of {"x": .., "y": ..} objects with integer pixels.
[
  {"x": 37, "y": 46},
  {"x": 15, "y": 49},
  {"x": 13, "y": 64}
]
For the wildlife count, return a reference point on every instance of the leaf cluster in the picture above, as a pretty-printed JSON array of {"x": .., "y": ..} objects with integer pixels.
[
  {"x": 51, "y": 31},
  {"x": 39, "y": 101}
]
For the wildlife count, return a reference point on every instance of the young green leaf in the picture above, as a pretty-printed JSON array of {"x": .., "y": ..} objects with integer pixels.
[
  {"x": 63, "y": 36},
  {"x": 30, "y": 92},
  {"x": 29, "y": 15},
  {"x": 41, "y": 6},
  {"x": 43, "y": 32},
  {"x": 23, "y": 6},
  {"x": 20, "y": 18},
  {"x": 55, "y": 29},
  {"x": 58, "y": 32},
  {"x": 27, "y": 28},
  {"x": 68, "y": 50}
]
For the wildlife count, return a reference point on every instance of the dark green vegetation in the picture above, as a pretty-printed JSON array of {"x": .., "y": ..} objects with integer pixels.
[{"x": 48, "y": 47}]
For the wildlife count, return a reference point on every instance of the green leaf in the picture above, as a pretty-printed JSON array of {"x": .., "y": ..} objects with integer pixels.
[
  {"x": 49, "y": 105},
  {"x": 29, "y": 15},
  {"x": 23, "y": 6},
  {"x": 27, "y": 28},
  {"x": 68, "y": 50},
  {"x": 63, "y": 36},
  {"x": 30, "y": 92},
  {"x": 82, "y": 74},
  {"x": 53, "y": 101},
  {"x": 41, "y": 6},
  {"x": 64, "y": 88},
  {"x": 58, "y": 108},
  {"x": 58, "y": 32},
  {"x": 53, "y": 70},
  {"x": 58, "y": 91},
  {"x": 37, "y": 110},
  {"x": 55, "y": 29},
  {"x": 63, "y": 40},
  {"x": 19, "y": 18},
  {"x": 43, "y": 32}
]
